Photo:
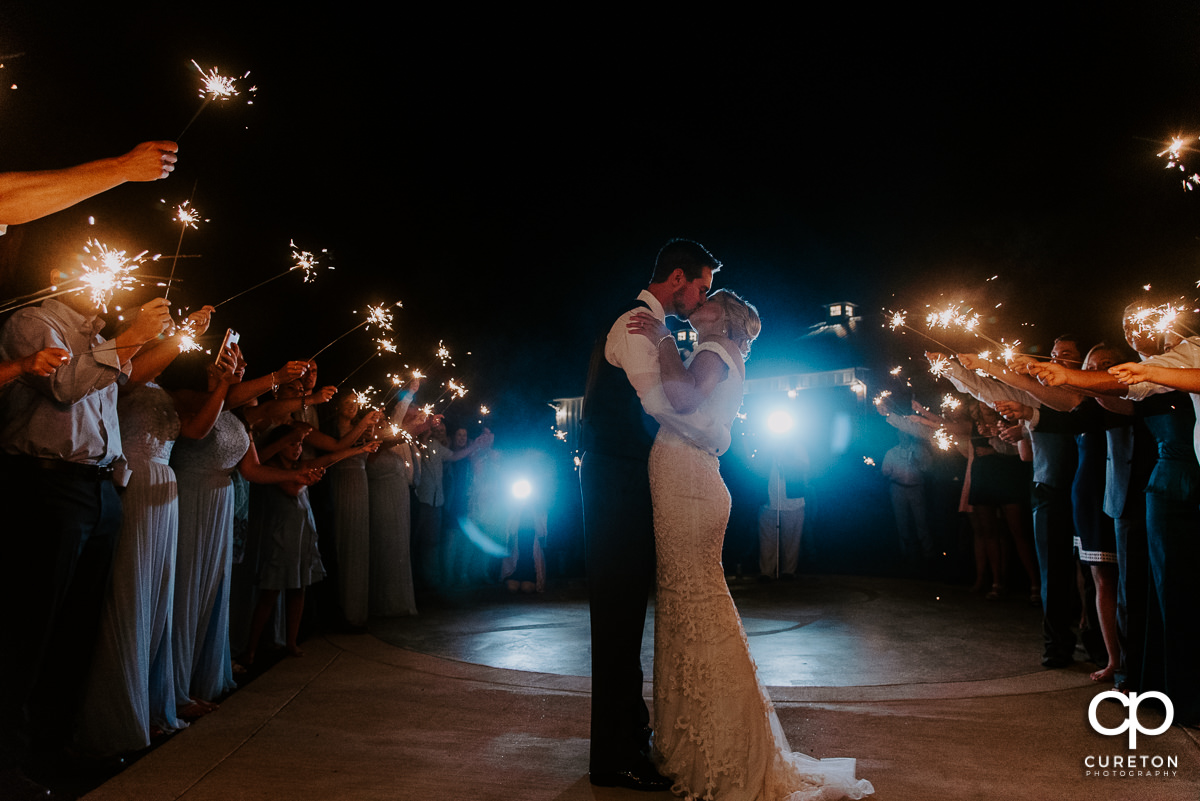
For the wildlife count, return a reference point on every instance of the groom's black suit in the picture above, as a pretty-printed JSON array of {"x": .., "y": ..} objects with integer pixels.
[{"x": 619, "y": 537}]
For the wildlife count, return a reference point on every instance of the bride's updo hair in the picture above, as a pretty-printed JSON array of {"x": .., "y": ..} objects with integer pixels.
[{"x": 742, "y": 324}]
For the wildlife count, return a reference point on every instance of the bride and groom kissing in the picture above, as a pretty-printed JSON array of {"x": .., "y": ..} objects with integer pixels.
[{"x": 655, "y": 510}]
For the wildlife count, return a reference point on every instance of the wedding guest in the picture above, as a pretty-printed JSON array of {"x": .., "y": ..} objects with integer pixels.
[
  {"x": 291, "y": 561},
  {"x": 905, "y": 466},
  {"x": 350, "y": 499},
  {"x": 206, "y": 512},
  {"x": 389, "y": 481},
  {"x": 131, "y": 692},
  {"x": 61, "y": 448},
  {"x": 1172, "y": 648}
]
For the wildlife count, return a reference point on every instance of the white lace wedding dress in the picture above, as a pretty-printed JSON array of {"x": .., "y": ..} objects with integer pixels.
[{"x": 715, "y": 730}]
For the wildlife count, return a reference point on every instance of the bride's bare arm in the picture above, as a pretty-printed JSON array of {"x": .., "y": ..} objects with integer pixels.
[{"x": 686, "y": 388}]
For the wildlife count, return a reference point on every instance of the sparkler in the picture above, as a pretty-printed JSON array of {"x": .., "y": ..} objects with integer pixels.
[
  {"x": 881, "y": 397},
  {"x": 215, "y": 86},
  {"x": 899, "y": 320},
  {"x": 187, "y": 337},
  {"x": 1160, "y": 319},
  {"x": 950, "y": 403},
  {"x": 184, "y": 213},
  {"x": 364, "y": 398},
  {"x": 1174, "y": 161},
  {"x": 943, "y": 439},
  {"x": 868, "y": 461},
  {"x": 443, "y": 353},
  {"x": 108, "y": 272},
  {"x": 303, "y": 261},
  {"x": 378, "y": 316},
  {"x": 895, "y": 371},
  {"x": 939, "y": 366},
  {"x": 382, "y": 346}
]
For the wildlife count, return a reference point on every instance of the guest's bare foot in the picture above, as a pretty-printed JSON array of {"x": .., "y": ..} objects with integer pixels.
[
  {"x": 195, "y": 709},
  {"x": 1104, "y": 675},
  {"x": 295, "y": 650}
]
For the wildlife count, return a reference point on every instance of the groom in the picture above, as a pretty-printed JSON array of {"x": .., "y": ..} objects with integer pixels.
[{"x": 623, "y": 391}]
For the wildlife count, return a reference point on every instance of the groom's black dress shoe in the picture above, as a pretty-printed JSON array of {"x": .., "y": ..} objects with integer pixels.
[{"x": 639, "y": 777}]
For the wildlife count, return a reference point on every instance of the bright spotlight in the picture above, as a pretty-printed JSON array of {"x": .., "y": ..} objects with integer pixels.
[
  {"x": 521, "y": 489},
  {"x": 780, "y": 422}
]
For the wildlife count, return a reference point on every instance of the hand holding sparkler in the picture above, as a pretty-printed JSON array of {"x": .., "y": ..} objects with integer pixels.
[
  {"x": 149, "y": 161},
  {"x": 1012, "y": 410},
  {"x": 1012, "y": 433},
  {"x": 1048, "y": 374},
  {"x": 194, "y": 326},
  {"x": 1020, "y": 364},
  {"x": 152, "y": 320},
  {"x": 323, "y": 395},
  {"x": 1136, "y": 372},
  {"x": 27, "y": 196},
  {"x": 970, "y": 361},
  {"x": 44, "y": 362}
]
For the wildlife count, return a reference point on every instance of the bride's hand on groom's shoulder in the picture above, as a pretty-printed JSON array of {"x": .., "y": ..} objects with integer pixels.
[{"x": 648, "y": 326}]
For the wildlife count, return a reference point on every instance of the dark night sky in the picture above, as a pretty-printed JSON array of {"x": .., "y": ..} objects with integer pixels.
[{"x": 510, "y": 176}]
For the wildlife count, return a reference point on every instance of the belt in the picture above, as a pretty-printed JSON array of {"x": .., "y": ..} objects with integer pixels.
[{"x": 91, "y": 472}]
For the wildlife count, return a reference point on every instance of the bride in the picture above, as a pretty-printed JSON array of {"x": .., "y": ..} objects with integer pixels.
[{"x": 716, "y": 732}]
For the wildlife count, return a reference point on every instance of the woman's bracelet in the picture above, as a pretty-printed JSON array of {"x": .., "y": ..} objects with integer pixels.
[{"x": 664, "y": 339}]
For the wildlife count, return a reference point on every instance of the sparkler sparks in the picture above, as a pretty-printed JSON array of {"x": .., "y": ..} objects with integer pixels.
[
  {"x": 1175, "y": 161},
  {"x": 188, "y": 215},
  {"x": 380, "y": 317},
  {"x": 950, "y": 403},
  {"x": 215, "y": 86},
  {"x": 456, "y": 389},
  {"x": 939, "y": 366},
  {"x": 109, "y": 271},
  {"x": 943, "y": 439},
  {"x": 895, "y": 372},
  {"x": 364, "y": 398},
  {"x": 187, "y": 337},
  {"x": 1153, "y": 319},
  {"x": 305, "y": 262},
  {"x": 868, "y": 461},
  {"x": 443, "y": 353},
  {"x": 881, "y": 397},
  {"x": 898, "y": 320}
]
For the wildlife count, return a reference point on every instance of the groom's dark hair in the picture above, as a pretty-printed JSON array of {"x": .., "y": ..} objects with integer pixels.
[{"x": 683, "y": 254}]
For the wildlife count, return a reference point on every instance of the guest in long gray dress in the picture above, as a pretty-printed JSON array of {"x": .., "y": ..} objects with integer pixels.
[
  {"x": 389, "y": 477},
  {"x": 131, "y": 692},
  {"x": 351, "y": 509}
]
